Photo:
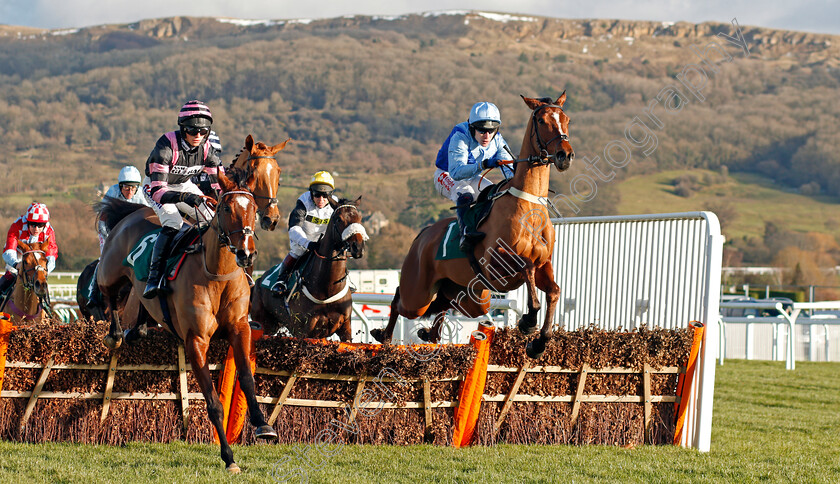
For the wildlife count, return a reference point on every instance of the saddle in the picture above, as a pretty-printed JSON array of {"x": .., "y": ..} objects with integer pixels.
[{"x": 475, "y": 216}]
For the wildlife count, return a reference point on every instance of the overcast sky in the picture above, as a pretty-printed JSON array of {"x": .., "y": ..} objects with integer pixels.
[{"x": 807, "y": 15}]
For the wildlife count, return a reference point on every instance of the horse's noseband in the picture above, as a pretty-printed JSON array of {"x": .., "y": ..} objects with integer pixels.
[
  {"x": 272, "y": 202},
  {"x": 545, "y": 158},
  {"x": 224, "y": 235},
  {"x": 29, "y": 283}
]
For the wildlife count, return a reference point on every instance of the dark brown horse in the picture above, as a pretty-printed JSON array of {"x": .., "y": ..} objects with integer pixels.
[
  {"x": 211, "y": 295},
  {"x": 25, "y": 302},
  {"x": 324, "y": 305},
  {"x": 517, "y": 248},
  {"x": 258, "y": 158}
]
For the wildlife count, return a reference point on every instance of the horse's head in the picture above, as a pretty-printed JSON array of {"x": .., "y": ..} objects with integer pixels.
[
  {"x": 549, "y": 131},
  {"x": 236, "y": 212},
  {"x": 33, "y": 266},
  {"x": 346, "y": 228},
  {"x": 258, "y": 159}
]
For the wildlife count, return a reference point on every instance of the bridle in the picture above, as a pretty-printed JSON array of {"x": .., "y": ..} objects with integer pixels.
[
  {"x": 272, "y": 201},
  {"x": 544, "y": 158},
  {"x": 29, "y": 282},
  {"x": 224, "y": 235},
  {"x": 345, "y": 245}
]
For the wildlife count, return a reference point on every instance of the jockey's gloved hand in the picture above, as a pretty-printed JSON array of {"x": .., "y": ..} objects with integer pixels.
[
  {"x": 312, "y": 245},
  {"x": 191, "y": 199},
  {"x": 491, "y": 163}
]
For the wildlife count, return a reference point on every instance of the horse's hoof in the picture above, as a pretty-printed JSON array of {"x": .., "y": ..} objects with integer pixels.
[
  {"x": 233, "y": 468},
  {"x": 378, "y": 335},
  {"x": 423, "y": 334},
  {"x": 535, "y": 349},
  {"x": 112, "y": 343},
  {"x": 527, "y": 325},
  {"x": 265, "y": 432}
]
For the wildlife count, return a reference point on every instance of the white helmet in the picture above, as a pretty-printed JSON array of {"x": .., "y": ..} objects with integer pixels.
[
  {"x": 485, "y": 115},
  {"x": 129, "y": 174}
]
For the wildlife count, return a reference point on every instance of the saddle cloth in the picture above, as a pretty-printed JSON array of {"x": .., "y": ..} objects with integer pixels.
[{"x": 140, "y": 257}]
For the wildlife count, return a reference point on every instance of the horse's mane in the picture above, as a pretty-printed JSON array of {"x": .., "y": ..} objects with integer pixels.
[{"x": 112, "y": 210}]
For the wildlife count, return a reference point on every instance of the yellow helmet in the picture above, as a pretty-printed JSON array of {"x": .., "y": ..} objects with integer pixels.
[{"x": 322, "y": 178}]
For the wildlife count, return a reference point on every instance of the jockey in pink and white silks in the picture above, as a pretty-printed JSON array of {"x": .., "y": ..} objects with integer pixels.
[
  {"x": 471, "y": 147},
  {"x": 175, "y": 159}
]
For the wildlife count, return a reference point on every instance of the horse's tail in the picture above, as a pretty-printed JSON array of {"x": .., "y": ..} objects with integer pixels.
[{"x": 112, "y": 210}]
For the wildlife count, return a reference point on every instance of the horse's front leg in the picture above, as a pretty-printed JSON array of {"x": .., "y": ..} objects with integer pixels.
[
  {"x": 240, "y": 340},
  {"x": 528, "y": 322},
  {"x": 114, "y": 338},
  {"x": 196, "y": 349},
  {"x": 545, "y": 282}
]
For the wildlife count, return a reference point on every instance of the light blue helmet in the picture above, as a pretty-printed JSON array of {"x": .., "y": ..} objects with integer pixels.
[
  {"x": 129, "y": 174},
  {"x": 485, "y": 115}
]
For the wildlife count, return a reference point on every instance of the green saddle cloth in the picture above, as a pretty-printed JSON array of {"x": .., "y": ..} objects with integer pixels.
[
  {"x": 449, "y": 246},
  {"x": 140, "y": 257}
]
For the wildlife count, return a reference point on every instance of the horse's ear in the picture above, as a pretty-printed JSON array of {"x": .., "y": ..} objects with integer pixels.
[
  {"x": 274, "y": 149},
  {"x": 225, "y": 183},
  {"x": 560, "y": 100},
  {"x": 45, "y": 243},
  {"x": 531, "y": 102},
  {"x": 249, "y": 142},
  {"x": 357, "y": 201}
]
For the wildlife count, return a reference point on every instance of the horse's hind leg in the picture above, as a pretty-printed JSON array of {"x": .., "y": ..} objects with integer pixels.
[
  {"x": 385, "y": 335},
  {"x": 240, "y": 341},
  {"x": 545, "y": 282},
  {"x": 196, "y": 350}
]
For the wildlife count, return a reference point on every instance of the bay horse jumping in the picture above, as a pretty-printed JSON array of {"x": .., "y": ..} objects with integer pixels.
[
  {"x": 258, "y": 158},
  {"x": 517, "y": 248},
  {"x": 30, "y": 295},
  {"x": 324, "y": 305},
  {"x": 210, "y": 296}
]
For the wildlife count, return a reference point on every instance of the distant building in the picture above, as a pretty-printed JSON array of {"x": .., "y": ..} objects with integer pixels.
[{"x": 375, "y": 222}]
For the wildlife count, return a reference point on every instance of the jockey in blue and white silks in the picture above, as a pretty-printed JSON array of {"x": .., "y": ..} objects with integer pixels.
[{"x": 471, "y": 147}]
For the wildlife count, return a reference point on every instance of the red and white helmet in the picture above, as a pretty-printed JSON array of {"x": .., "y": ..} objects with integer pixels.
[{"x": 38, "y": 213}]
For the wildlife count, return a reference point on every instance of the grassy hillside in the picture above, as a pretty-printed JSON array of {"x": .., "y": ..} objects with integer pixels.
[{"x": 751, "y": 201}]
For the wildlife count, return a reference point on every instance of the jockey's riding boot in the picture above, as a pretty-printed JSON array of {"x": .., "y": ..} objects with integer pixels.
[
  {"x": 157, "y": 271},
  {"x": 286, "y": 268},
  {"x": 468, "y": 238}
]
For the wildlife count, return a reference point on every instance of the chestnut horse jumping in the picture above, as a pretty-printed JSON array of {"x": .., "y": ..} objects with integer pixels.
[
  {"x": 30, "y": 294},
  {"x": 211, "y": 295},
  {"x": 258, "y": 158},
  {"x": 324, "y": 305},
  {"x": 255, "y": 158},
  {"x": 517, "y": 248}
]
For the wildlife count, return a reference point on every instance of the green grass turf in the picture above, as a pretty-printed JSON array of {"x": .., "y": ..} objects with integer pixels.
[{"x": 769, "y": 425}]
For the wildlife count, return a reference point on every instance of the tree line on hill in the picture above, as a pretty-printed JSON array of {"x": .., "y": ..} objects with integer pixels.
[{"x": 374, "y": 104}]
